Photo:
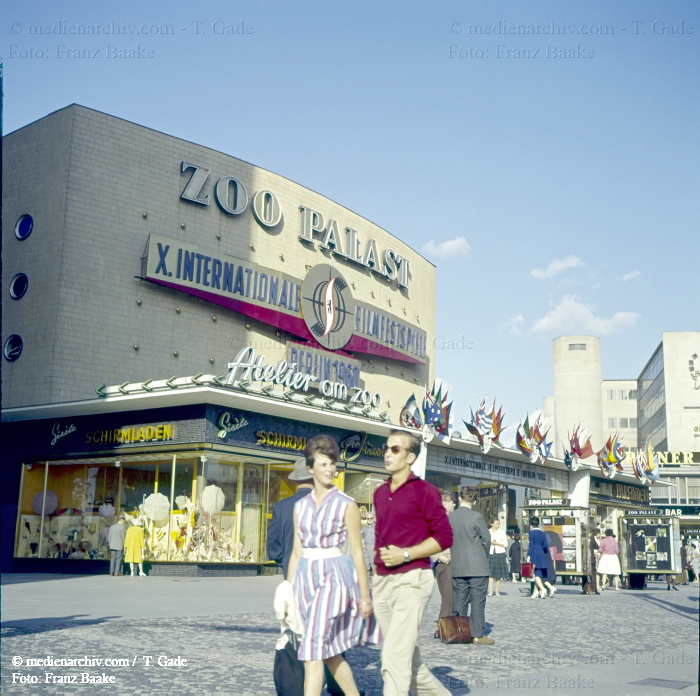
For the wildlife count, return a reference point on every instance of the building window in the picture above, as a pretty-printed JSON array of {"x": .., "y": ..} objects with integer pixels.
[
  {"x": 24, "y": 227},
  {"x": 624, "y": 422},
  {"x": 612, "y": 423},
  {"x": 18, "y": 286},
  {"x": 623, "y": 394},
  {"x": 13, "y": 348},
  {"x": 693, "y": 494},
  {"x": 633, "y": 393},
  {"x": 612, "y": 394},
  {"x": 577, "y": 346}
]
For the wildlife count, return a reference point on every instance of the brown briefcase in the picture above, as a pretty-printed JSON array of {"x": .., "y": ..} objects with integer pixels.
[{"x": 454, "y": 629}]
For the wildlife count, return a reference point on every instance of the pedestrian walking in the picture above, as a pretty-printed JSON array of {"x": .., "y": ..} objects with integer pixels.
[
  {"x": 412, "y": 525},
  {"x": 280, "y": 535},
  {"x": 514, "y": 554},
  {"x": 368, "y": 541},
  {"x": 609, "y": 563},
  {"x": 331, "y": 589},
  {"x": 694, "y": 561},
  {"x": 498, "y": 565},
  {"x": 133, "y": 546},
  {"x": 470, "y": 563},
  {"x": 443, "y": 571},
  {"x": 116, "y": 536},
  {"x": 537, "y": 554},
  {"x": 590, "y": 584}
]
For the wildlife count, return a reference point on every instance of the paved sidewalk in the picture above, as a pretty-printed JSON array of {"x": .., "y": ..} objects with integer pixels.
[{"x": 217, "y": 635}]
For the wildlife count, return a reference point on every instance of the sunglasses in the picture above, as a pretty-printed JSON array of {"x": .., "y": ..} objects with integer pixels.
[{"x": 395, "y": 449}]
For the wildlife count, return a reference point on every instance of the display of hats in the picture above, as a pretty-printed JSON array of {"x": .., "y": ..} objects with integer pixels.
[
  {"x": 106, "y": 510},
  {"x": 213, "y": 499},
  {"x": 50, "y": 502},
  {"x": 67, "y": 511},
  {"x": 156, "y": 506}
]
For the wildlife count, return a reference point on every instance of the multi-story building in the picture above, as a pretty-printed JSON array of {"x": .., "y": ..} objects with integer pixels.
[
  {"x": 669, "y": 418},
  {"x": 661, "y": 407},
  {"x": 176, "y": 324},
  {"x": 620, "y": 410}
]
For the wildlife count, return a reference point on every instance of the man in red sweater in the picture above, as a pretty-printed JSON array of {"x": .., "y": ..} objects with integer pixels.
[{"x": 412, "y": 525}]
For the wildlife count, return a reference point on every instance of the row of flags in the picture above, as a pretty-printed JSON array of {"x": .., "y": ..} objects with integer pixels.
[{"x": 434, "y": 419}]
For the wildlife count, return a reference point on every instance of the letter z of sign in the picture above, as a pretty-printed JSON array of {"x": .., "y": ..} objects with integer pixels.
[{"x": 195, "y": 184}]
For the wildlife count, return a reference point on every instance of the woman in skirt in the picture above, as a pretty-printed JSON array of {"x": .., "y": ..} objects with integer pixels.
[
  {"x": 609, "y": 563},
  {"x": 331, "y": 589},
  {"x": 498, "y": 565}
]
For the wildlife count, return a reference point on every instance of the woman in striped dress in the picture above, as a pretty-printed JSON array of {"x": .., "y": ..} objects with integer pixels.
[{"x": 331, "y": 589}]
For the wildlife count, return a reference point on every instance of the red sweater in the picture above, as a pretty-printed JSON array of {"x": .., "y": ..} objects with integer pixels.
[{"x": 411, "y": 514}]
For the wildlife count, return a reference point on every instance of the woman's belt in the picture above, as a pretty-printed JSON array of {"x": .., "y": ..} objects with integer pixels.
[{"x": 314, "y": 554}]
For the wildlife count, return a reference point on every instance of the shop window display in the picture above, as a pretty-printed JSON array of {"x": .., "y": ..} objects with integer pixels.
[
  {"x": 195, "y": 509},
  {"x": 77, "y": 510}
]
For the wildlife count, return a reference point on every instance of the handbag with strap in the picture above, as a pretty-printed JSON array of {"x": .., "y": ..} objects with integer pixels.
[
  {"x": 527, "y": 570},
  {"x": 454, "y": 629},
  {"x": 288, "y": 671}
]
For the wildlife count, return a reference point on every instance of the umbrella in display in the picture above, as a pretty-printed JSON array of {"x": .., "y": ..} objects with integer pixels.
[
  {"x": 156, "y": 506},
  {"x": 213, "y": 499},
  {"x": 50, "y": 503},
  {"x": 68, "y": 511},
  {"x": 106, "y": 510}
]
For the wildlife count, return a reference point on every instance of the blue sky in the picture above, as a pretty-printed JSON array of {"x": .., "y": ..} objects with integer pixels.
[{"x": 543, "y": 154}]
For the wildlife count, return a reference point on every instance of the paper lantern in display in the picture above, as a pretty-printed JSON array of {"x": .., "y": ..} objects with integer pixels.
[
  {"x": 50, "y": 503},
  {"x": 106, "y": 510},
  {"x": 213, "y": 500},
  {"x": 156, "y": 506}
]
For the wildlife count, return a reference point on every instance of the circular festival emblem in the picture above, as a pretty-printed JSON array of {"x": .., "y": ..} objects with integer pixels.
[{"x": 327, "y": 306}]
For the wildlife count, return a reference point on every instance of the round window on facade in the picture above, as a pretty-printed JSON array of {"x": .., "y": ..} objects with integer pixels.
[
  {"x": 12, "y": 348},
  {"x": 24, "y": 226},
  {"x": 19, "y": 286}
]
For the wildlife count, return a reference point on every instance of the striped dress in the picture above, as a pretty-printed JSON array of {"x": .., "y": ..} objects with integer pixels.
[{"x": 326, "y": 589}]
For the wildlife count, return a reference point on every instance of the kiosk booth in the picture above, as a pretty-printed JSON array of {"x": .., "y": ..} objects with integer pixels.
[
  {"x": 650, "y": 544},
  {"x": 567, "y": 528}
]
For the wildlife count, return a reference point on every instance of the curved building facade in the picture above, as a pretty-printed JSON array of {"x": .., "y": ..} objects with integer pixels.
[{"x": 176, "y": 324}]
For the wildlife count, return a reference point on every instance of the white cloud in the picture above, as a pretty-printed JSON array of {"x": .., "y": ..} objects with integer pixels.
[
  {"x": 557, "y": 266},
  {"x": 630, "y": 275},
  {"x": 571, "y": 316},
  {"x": 458, "y": 246},
  {"x": 512, "y": 325}
]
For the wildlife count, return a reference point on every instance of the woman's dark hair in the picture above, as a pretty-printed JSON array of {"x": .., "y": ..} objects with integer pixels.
[
  {"x": 516, "y": 537},
  {"x": 321, "y": 444},
  {"x": 534, "y": 521},
  {"x": 608, "y": 532},
  {"x": 494, "y": 519}
]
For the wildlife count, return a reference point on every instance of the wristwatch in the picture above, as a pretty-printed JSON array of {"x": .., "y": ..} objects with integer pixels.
[{"x": 406, "y": 556}]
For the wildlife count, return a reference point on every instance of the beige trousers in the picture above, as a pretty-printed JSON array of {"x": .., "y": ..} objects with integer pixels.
[{"x": 399, "y": 604}]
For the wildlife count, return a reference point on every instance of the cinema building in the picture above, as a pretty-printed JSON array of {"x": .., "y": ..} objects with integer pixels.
[
  {"x": 176, "y": 324},
  {"x": 178, "y": 321}
]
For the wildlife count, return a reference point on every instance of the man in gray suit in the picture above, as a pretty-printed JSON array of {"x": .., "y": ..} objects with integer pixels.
[{"x": 470, "y": 563}]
